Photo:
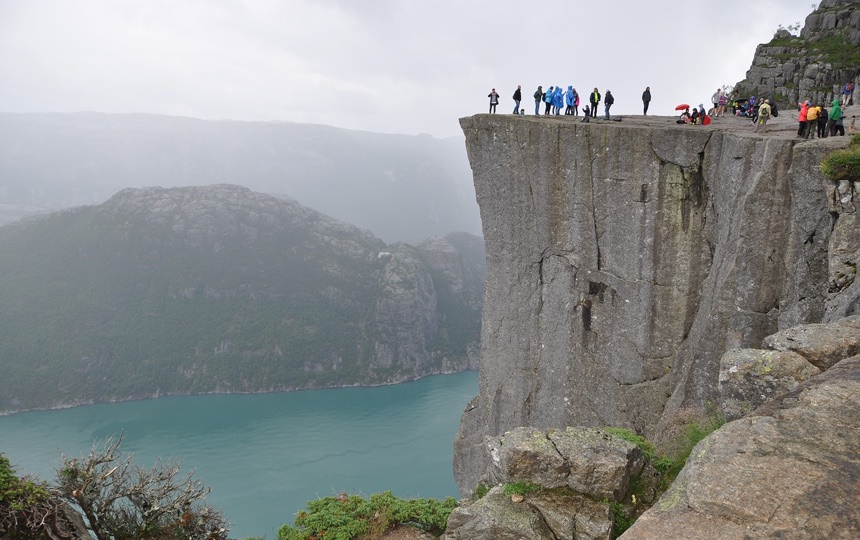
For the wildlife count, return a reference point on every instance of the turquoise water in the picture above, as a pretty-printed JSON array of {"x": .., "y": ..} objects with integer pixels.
[{"x": 266, "y": 455}]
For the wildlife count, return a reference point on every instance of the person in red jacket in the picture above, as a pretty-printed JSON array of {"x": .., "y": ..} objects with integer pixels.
[{"x": 801, "y": 118}]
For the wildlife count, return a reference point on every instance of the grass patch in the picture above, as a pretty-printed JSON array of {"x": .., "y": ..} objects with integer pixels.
[
  {"x": 480, "y": 491},
  {"x": 521, "y": 488}
]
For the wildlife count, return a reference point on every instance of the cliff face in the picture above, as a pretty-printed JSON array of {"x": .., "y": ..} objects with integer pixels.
[{"x": 623, "y": 259}]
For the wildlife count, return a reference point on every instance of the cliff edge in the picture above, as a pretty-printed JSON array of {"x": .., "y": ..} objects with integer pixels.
[{"x": 624, "y": 258}]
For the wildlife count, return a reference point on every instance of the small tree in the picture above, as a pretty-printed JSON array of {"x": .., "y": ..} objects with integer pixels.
[{"x": 122, "y": 501}]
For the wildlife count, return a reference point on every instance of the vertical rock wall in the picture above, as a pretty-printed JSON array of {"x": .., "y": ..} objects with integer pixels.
[{"x": 623, "y": 260}]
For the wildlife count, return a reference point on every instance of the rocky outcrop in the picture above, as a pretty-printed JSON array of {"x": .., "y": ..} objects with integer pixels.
[
  {"x": 221, "y": 289},
  {"x": 813, "y": 65},
  {"x": 573, "y": 478},
  {"x": 623, "y": 259},
  {"x": 789, "y": 469}
]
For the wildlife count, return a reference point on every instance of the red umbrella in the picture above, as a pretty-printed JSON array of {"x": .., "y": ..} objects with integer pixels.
[{"x": 682, "y": 106}]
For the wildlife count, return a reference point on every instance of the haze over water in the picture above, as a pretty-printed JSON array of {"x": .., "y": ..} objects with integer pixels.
[{"x": 266, "y": 455}]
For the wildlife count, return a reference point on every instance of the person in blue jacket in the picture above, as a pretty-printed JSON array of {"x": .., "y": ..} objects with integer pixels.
[
  {"x": 570, "y": 98},
  {"x": 558, "y": 99}
]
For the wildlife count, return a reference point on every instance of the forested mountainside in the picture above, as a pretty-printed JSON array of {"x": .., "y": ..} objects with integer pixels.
[{"x": 221, "y": 289}]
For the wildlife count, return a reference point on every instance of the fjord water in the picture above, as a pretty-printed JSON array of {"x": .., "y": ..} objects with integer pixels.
[{"x": 266, "y": 455}]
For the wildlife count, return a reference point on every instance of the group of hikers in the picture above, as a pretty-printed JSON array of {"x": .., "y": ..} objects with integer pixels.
[
  {"x": 555, "y": 99},
  {"x": 813, "y": 118}
]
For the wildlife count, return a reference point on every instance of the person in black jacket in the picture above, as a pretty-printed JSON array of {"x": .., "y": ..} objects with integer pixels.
[
  {"x": 594, "y": 99},
  {"x": 538, "y": 98},
  {"x": 646, "y": 99},
  {"x": 494, "y": 100},
  {"x": 607, "y": 102},
  {"x": 518, "y": 96}
]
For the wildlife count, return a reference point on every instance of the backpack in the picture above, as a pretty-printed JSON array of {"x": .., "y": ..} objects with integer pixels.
[{"x": 773, "y": 109}]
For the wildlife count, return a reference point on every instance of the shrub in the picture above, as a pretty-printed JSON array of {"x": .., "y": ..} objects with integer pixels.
[
  {"x": 27, "y": 507},
  {"x": 345, "y": 517},
  {"x": 843, "y": 164}
]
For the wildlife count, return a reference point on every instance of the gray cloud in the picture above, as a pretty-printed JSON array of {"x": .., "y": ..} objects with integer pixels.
[{"x": 397, "y": 66}]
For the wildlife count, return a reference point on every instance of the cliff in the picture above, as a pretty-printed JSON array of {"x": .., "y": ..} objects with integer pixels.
[
  {"x": 221, "y": 289},
  {"x": 623, "y": 259}
]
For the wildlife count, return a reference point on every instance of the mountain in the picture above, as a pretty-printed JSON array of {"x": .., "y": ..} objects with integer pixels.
[
  {"x": 403, "y": 188},
  {"x": 221, "y": 289},
  {"x": 814, "y": 65}
]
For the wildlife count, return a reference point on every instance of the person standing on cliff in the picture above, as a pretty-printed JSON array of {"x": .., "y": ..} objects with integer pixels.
[
  {"x": 847, "y": 91},
  {"x": 494, "y": 100},
  {"x": 646, "y": 99},
  {"x": 811, "y": 121},
  {"x": 547, "y": 98},
  {"x": 594, "y": 99},
  {"x": 608, "y": 102},
  {"x": 801, "y": 118},
  {"x": 715, "y": 99},
  {"x": 763, "y": 116},
  {"x": 835, "y": 119},
  {"x": 538, "y": 98},
  {"x": 518, "y": 96},
  {"x": 822, "y": 122}
]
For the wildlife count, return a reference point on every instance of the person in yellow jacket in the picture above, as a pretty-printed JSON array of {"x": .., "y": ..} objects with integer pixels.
[
  {"x": 763, "y": 116},
  {"x": 812, "y": 115}
]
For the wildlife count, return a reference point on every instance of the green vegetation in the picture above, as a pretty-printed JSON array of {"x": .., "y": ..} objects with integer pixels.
[
  {"x": 621, "y": 518},
  {"x": 834, "y": 49},
  {"x": 346, "y": 517},
  {"x": 24, "y": 506},
  {"x": 521, "y": 488},
  {"x": 480, "y": 491},
  {"x": 843, "y": 164}
]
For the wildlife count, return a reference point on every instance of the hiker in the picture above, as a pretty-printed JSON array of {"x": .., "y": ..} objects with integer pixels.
[
  {"x": 558, "y": 100},
  {"x": 811, "y": 121},
  {"x": 763, "y": 116},
  {"x": 835, "y": 114},
  {"x": 684, "y": 118},
  {"x": 694, "y": 116},
  {"x": 538, "y": 98},
  {"x": 547, "y": 98},
  {"x": 518, "y": 96},
  {"x": 575, "y": 102},
  {"x": 715, "y": 99},
  {"x": 801, "y": 118},
  {"x": 607, "y": 102},
  {"x": 847, "y": 92},
  {"x": 646, "y": 99},
  {"x": 569, "y": 98},
  {"x": 594, "y": 99},
  {"x": 494, "y": 100},
  {"x": 822, "y": 123},
  {"x": 721, "y": 110},
  {"x": 702, "y": 113}
]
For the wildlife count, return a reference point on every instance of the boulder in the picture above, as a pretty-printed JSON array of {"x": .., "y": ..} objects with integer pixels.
[
  {"x": 789, "y": 470},
  {"x": 821, "y": 344},
  {"x": 589, "y": 461},
  {"x": 558, "y": 513},
  {"x": 751, "y": 377}
]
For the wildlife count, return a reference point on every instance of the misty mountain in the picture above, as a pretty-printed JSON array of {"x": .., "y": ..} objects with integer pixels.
[
  {"x": 403, "y": 188},
  {"x": 221, "y": 289}
]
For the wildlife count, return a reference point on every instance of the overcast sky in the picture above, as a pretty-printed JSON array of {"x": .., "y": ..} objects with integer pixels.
[{"x": 392, "y": 66}]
